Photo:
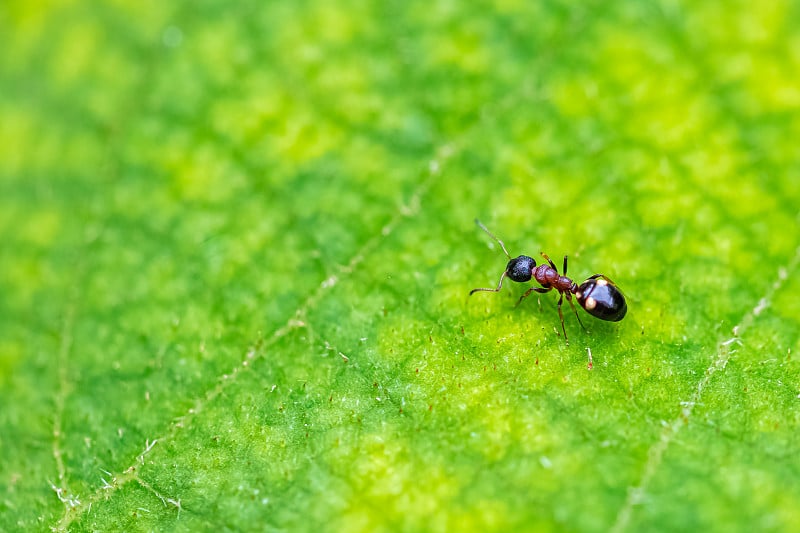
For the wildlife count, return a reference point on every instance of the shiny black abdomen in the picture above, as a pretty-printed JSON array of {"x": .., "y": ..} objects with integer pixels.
[{"x": 602, "y": 299}]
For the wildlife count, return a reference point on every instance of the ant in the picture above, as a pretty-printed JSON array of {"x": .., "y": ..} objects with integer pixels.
[{"x": 598, "y": 295}]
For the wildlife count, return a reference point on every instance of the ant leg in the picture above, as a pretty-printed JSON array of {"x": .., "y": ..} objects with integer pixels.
[
  {"x": 540, "y": 290},
  {"x": 572, "y": 305},
  {"x": 565, "y": 265},
  {"x": 549, "y": 261},
  {"x": 499, "y": 286},
  {"x": 603, "y": 277},
  {"x": 561, "y": 316}
]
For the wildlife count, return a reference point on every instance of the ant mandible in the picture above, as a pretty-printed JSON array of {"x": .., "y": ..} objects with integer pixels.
[{"x": 598, "y": 295}]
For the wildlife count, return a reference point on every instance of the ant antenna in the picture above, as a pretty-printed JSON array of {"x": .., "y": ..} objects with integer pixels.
[{"x": 484, "y": 228}]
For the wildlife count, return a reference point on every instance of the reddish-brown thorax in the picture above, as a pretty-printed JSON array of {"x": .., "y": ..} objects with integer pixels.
[{"x": 547, "y": 276}]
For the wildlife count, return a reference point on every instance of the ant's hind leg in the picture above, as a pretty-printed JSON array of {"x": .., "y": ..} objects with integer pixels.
[
  {"x": 572, "y": 305},
  {"x": 603, "y": 277},
  {"x": 565, "y": 266},
  {"x": 561, "y": 316},
  {"x": 499, "y": 286},
  {"x": 540, "y": 290},
  {"x": 549, "y": 261}
]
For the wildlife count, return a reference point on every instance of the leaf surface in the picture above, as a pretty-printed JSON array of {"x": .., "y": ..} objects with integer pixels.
[{"x": 236, "y": 243}]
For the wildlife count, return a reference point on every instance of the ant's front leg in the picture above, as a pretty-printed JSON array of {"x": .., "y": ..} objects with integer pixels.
[{"x": 540, "y": 290}]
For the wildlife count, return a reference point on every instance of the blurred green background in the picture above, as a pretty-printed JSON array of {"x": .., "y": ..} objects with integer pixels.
[{"x": 236, "y": 242}]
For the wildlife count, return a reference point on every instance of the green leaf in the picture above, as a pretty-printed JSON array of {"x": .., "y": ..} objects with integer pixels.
[{"x": 236, "y": 243}]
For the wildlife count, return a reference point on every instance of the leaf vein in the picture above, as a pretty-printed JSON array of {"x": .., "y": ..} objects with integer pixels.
[
  {"x": 406, "y": 211},
  {"x": 724, "y": 352}
]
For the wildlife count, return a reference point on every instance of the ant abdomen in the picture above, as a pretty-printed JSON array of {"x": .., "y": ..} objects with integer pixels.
[{"x": 601, "y": 298}]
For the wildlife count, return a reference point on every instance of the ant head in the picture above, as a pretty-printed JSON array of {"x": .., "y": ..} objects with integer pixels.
[{"x": 520, "y": 268}]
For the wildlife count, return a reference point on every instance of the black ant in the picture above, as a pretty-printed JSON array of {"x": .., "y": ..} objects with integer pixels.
[{"x": 598, "y": 295}]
